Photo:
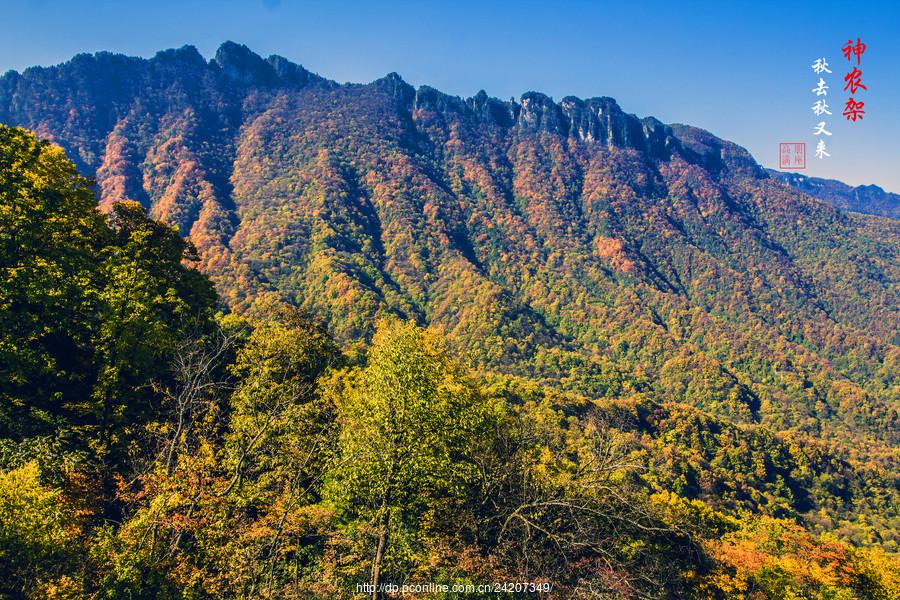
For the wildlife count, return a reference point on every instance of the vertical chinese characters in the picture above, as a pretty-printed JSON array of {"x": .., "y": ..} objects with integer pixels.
[
  {"x": 819, "y": 67},
  {"x": 853, "y": 109}
]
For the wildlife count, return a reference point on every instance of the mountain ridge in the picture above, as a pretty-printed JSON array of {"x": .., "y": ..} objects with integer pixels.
[
  {"x": 869, "y": 199},
  {"x": 598, "y": 119},
  {"x": 566, "y": 241},
  {"x": 574, "y": 258},
  {"x": 452, "y": 340},
  {"x": 595, "y": 119}
]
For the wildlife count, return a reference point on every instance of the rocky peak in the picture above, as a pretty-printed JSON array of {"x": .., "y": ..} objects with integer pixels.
[
  {"x": 492, "y": 110},
  {"x": 292, "y": 73},
  {"x": 601, "y": 120},
  {"x": 239, "y": 63},
  {"x": 186, "y": 54},
  {"x": 539, "y": 112},
  {"x": 716, "y": 154},
  {"x": 400, "y": 91},
  {"x": 594, "y": 120},
  {"x": 434, "y": 100}
]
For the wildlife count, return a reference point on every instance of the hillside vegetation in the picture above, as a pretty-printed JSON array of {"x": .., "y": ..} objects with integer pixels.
[{"x": 434, "y": 340}]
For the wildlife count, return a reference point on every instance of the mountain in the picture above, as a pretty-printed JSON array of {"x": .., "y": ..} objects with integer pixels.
[
  {"x": 681, "y": 370},
  {"x": 868, "y": 199},
  {"x": 567, "y": 242}
]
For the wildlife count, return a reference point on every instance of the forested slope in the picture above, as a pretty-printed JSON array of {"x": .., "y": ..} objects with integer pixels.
[{"x": 739, "y": 335}]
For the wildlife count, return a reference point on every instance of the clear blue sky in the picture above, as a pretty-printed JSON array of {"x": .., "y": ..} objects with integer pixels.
[{"x": 743, "y": 72}]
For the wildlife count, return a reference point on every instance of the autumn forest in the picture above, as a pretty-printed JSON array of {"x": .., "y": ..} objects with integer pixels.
[{"x": 264, "y": 335}]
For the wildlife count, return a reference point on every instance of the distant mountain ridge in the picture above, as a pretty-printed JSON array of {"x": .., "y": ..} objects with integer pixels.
[
  {"x": 868, "y": 199},
  {"x": 598, "y": 120},
  {"x": 569, "y": 242}
]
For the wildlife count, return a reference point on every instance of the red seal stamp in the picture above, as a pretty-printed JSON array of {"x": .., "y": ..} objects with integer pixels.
[{"x": 792, "y": 155}]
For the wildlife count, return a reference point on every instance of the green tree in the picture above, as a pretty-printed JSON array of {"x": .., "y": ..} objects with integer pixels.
[
  {"x": 91, "y": 309},
  {"x": 407, "y": 422},
  {"x": 50, "y": 241},
  {"x": 149, "y": 303},
  {"x": 279, "y": 442}
]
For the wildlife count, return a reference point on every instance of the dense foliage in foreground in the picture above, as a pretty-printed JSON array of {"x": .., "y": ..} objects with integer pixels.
[{"x": 152, "y": 448}]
